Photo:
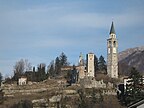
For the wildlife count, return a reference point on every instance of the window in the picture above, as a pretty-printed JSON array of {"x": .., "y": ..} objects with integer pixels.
[
  {"x": 110, "y": 43},
  {"x": 114, "y": 43}
]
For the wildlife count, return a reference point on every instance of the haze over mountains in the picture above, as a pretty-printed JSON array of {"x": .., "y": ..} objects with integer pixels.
[{"x": 132, "y": 57}]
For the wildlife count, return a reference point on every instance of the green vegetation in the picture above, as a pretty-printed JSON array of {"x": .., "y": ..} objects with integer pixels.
[
  {"x": 23, "y": 104},
  {"x": 57, "y": 65},
  {"x": 24, "y": 68},
  {"x": 96, "y": 64},
  {"x": 0, "y": 78},
  {"x": 102, "y": 64},
  {"x": 41, "y": 72},
  {"x": 134, "y": 89},
  {"x": 54, "y": 67},
  {"x": 93, "y": 98},
  {"x": 63, "y": 60}
]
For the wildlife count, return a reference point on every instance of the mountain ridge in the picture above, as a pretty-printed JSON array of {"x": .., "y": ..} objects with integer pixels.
[
  {"x": 132, "y": 57},
  {"x": 127, "y": 52}
]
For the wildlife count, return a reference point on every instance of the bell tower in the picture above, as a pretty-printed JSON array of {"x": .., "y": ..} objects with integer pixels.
[{"x": 112, "y": 54}]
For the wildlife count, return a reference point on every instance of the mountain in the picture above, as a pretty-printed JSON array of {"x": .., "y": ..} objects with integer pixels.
[{"x": 133, "y": 57}]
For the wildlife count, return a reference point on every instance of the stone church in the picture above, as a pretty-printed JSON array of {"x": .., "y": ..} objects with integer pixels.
[{"x": 112, "y": 59}]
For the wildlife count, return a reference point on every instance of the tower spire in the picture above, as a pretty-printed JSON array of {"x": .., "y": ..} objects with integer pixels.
[{"x": 112, "y": 30}]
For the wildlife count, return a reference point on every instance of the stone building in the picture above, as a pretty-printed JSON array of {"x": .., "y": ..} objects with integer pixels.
[
  {"x": 88, "y": 82},
  {"x": 112, "y": 54},
  {"x": 90, "y": 65},
  {"x": 81, "y": 67}
]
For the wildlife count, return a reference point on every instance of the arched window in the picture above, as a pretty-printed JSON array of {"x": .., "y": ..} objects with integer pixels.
[
  {"x": 114, "y": 43},
  {"x": 110, "y": 43}
]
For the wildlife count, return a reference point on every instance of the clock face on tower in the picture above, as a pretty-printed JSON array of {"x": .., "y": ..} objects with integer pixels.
[
  {"x": 108, "y": 50},
  {"x": 114, "y": 50}
]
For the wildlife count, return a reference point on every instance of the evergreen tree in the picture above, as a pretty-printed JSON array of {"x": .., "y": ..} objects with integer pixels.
[
  {"x": 0, "y": 78},
  {"x": 134, "y": 88},
  {"x": 41, "y": 74},
  {"x": 63, "y": 59},
  {"x": 102, "y": 64},
  {"x": 57, "y": 66},
  {"x": 96, "y": 64}
]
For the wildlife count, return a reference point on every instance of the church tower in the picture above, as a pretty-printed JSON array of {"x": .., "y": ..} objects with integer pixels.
[
  {"x": 112, "y": 54},
  {"x": 81, "y": 60},
  {"x": 81, "y": 67}
]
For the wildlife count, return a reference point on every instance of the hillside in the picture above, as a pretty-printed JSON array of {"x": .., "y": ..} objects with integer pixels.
[
  {"x": 133, "y": 57},
  {"x": 53, "y": 93}
]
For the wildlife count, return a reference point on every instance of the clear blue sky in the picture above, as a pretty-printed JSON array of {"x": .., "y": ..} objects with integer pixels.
[{"x": 39, "y": 30}]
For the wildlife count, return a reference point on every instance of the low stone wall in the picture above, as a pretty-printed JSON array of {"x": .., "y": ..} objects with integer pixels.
[
  {"x": 11, "y": 92},
  {"x": 24, "y": 91},
  {"x": 69, "y": 91},
  {"x": 92, "y": 83},
  {"x": 109, "y": 92},
  {"x": 40, "y": 103}
]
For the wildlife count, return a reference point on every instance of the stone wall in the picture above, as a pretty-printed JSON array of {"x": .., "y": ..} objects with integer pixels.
[
  {"x": 35, "y": 87},
  {"x": 92, "y": 83},
  {"x": 109, "y": 92}
]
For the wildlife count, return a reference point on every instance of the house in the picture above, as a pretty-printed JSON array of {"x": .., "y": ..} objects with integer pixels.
[
  {"x": 127, "y": 81},
  {"x": 22, "y": 80}
]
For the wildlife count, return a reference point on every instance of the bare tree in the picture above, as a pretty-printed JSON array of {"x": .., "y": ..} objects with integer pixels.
[
  {"x": 20, "y": 67},
  {"x": 28, "y": 65},
  {"x": 51, "y": 69}
]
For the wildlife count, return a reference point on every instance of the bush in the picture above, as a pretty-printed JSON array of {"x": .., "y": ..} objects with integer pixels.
[{"x": 23, "y": 104}]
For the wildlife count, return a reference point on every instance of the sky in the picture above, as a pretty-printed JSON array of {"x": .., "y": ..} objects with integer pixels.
[{"x": 40, "y": 30}]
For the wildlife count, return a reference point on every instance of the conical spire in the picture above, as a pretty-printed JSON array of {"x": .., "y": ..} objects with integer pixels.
[{"x": 112, "y": 30}]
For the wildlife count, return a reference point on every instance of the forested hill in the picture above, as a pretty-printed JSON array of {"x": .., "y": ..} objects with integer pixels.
[{"x": 133, "y": 57}]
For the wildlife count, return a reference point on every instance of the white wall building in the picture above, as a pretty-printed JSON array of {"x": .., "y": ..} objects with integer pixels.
[
  {"x": 126, "y": 81},
  {"x": 22, "y": 81}
]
